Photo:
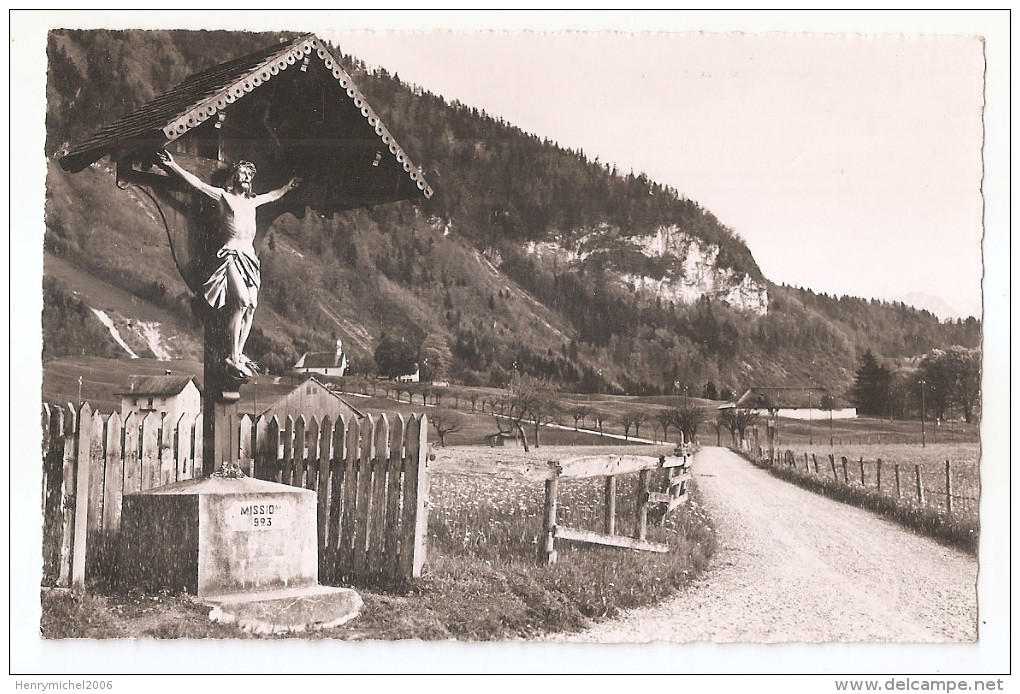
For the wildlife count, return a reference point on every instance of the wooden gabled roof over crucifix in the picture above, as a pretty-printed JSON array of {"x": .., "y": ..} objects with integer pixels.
[{"x": 292, "y": 109}]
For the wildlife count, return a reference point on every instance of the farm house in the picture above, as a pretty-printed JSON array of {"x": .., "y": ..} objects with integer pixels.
[{"x": 794, "y": 402}]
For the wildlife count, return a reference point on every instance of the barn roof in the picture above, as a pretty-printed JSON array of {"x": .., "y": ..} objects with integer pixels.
[
  {"x": 320, "y": 360},
  {"x": 157, "y": 385},
  {"x": 788, "y": 397},
  {"x": 261, "y": 392},
  {"x": 262, "y": 396},
  {"x": 320, "y": 113}
]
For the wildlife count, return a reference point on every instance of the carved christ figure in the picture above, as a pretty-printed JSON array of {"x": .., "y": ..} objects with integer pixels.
[{"x": 234, "y": 284}]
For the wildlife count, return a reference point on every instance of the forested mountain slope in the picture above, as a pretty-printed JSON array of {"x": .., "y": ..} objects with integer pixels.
[{"x": 528, "y": 256}]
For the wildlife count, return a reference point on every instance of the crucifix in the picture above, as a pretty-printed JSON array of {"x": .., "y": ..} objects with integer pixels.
[
  {"x": 227, "y": 299},
  {"x": 233, "y": 287},
  {"x": 297, "y": 113}
]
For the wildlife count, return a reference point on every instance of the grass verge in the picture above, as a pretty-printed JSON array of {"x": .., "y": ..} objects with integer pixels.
[{"x": 91, "y": 614}]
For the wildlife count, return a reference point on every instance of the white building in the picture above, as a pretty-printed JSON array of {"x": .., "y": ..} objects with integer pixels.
[
  {"x": 795, "y": 402},
  {"x": 413, "y": 377},
  {"x": 168, "y": 395},
  {"x": 324, "y": 363}
]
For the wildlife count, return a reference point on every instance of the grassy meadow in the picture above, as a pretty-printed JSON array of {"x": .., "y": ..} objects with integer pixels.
[
  {"x": 866, "y": 431},
  {"x": 483, "y": 526}
]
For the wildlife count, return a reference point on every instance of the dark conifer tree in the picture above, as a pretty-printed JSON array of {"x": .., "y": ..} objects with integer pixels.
[{"x": 871, "y": 386}]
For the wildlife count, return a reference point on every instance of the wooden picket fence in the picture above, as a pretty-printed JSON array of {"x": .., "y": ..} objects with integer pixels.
[{"x": 371, "y": 479}]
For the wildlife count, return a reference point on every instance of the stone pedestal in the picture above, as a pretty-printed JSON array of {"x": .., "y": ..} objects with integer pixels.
[{"x": 218, "y": 536}]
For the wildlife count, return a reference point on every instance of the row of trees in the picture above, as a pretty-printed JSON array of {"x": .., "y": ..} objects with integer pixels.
[
  {"x": 525, "y": 405},
  {"x": 540, "y": 407},
  {"x": 942, "y": 379},
  {"x": 737, "y": 421}
]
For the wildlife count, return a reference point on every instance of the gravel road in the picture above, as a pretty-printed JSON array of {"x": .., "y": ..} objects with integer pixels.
[{"x": 793, "y": 566}]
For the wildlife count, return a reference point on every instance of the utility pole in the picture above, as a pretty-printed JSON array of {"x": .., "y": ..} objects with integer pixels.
[
  {"x": 810, "y": 433},
  {"x": 922, "y": 413}
]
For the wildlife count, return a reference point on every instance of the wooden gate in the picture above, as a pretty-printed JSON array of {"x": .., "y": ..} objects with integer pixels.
[{"x": 673, "y": 494}]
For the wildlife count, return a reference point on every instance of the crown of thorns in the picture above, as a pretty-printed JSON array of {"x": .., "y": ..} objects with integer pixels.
[{"x": 243, "y": 165}]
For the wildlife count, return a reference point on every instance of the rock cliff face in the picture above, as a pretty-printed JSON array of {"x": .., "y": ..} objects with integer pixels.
[{"x": 669, "y": 265}]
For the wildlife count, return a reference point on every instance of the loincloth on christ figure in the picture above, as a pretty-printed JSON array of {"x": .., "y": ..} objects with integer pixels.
[{"x": 247, "y": 266}]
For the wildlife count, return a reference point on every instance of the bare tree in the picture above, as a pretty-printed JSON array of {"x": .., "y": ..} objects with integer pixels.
[
  {"x": 737, "y": 421},
  {"x": 446, "y": 421},
  {"x": 627, "y": 421},
  {"x": 638, "y": 419},
  {"x": 686, "y": 418},
  {"x": 665, "y": 420},
  {"x": 726, "y": 419},
  {"x": 524, "y": 396},
  {"x": 578, "y": 411},
  {"x": 544, "y": 408}
]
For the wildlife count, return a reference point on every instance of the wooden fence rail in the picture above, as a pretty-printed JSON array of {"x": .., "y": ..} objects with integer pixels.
[
  {"x": 786, "y": 440},
  {"x": 370, "y": 477},
  {"x": 673, "y": 493}
]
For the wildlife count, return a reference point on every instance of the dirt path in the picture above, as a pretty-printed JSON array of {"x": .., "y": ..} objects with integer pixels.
[{"x": 793, "y": 566}]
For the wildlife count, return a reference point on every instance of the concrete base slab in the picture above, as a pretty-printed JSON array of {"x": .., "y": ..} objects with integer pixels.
[{"x": 287, "y": 610}]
